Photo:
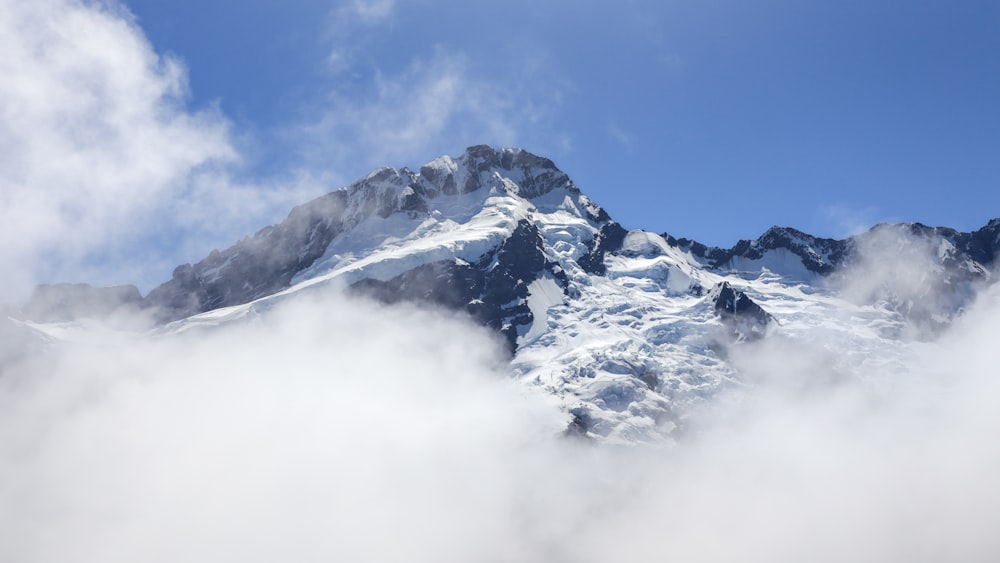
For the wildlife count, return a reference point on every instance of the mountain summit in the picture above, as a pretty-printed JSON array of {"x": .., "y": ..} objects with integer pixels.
[{"x": 628, "y": 330}]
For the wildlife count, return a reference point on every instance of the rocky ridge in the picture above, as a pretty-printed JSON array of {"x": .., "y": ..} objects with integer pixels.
[{"x": 626, "y": 329}]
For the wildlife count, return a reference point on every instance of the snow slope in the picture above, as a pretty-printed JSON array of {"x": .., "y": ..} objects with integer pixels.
[{"x": 625, "y": 331}]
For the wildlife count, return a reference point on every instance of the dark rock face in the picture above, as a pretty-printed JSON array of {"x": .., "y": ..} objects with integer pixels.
[
  {"x": 979, "y": 246},
  {"x": 257, "y": 265},
  {"x": 825, "y": 256},
  {"x": 982, "y": 245},
  {"x": 745, "y": 318},
  {"x": 267, "y": 261},
  {"x": 610, "y": 239},
  {"x": 494, "y": 290},
  {"x": 579, "y": 425},
  {"x": 926, "y": 274},
  {"x": 538, "y": 175},
  {"x": 818, "y": 255},
  {"x": 64, "y": 301}
]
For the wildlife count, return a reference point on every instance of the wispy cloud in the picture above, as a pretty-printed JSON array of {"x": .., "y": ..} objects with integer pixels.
[
  {"x": 624, "y": 138},
  {"x": 430, "y": 99},
  {"x": 350, "y": 24},
  {"x": 437, "y": 105},
  {"x": 846, "y": 221},
  {"x": 370, "y": 11}
]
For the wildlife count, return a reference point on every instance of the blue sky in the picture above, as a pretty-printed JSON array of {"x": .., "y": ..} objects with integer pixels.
[{"x": 711, "y": 120}]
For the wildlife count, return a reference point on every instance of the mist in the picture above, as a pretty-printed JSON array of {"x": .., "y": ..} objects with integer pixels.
[
  {"x": 335, "y": 429},
  {"x": 108, "y": 174},
  {"x": 323, "y": 429},
  {"x": 330, "y": 428}
]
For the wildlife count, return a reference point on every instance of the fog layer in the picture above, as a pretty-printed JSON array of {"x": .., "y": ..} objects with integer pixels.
[{"x": 328, "y": 429}]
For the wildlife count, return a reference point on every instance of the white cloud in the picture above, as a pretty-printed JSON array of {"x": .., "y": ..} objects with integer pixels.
[
  {"x": 99, "y": 150},
  {"x": 93, "y": 131},
  {"x": 364, "y": 435},
  {"x": 371, "y": 12},
  {"x": 392, "y": 435}
]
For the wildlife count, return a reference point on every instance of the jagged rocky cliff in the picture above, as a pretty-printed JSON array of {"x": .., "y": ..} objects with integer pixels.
[
  {"x": 627, "y": 329},
  {"x": 268, "y": 260}
]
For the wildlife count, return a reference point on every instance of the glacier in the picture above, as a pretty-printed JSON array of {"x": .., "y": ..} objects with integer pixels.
[{"x": 627, "y": 332}]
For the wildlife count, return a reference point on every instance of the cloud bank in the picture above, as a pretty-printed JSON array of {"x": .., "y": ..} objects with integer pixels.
[
  {"x": 295, "y": 435},
  {"x": 94, "y": 135},
  {"x": 329, "y": 429},
  {"x": 103, "y": 166},
  {"x": 333, "y": 429}
]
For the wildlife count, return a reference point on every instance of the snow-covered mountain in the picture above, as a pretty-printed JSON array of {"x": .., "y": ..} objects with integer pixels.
[{"x": 627, "y": 330}]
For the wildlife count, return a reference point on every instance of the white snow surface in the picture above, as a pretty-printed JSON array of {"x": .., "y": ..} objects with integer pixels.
[
  {"x": 543, "y": 294},
  {"x": 633, "y": 351},
  {"x": 780, "y": 261}
]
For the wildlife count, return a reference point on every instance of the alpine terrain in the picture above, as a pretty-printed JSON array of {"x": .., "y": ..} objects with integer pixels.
[{"x": 627, "y": 330}]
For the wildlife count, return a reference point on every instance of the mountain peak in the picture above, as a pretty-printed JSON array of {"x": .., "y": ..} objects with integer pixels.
[
  {"x": 535, "y": 175},
  {"x": 530, "y": 176},
  {"x": 625, "y": 328},
  {"x": 450, "y": 189}
]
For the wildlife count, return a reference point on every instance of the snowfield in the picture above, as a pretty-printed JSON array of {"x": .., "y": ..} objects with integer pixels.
[{"x": 628, "y": 344}]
